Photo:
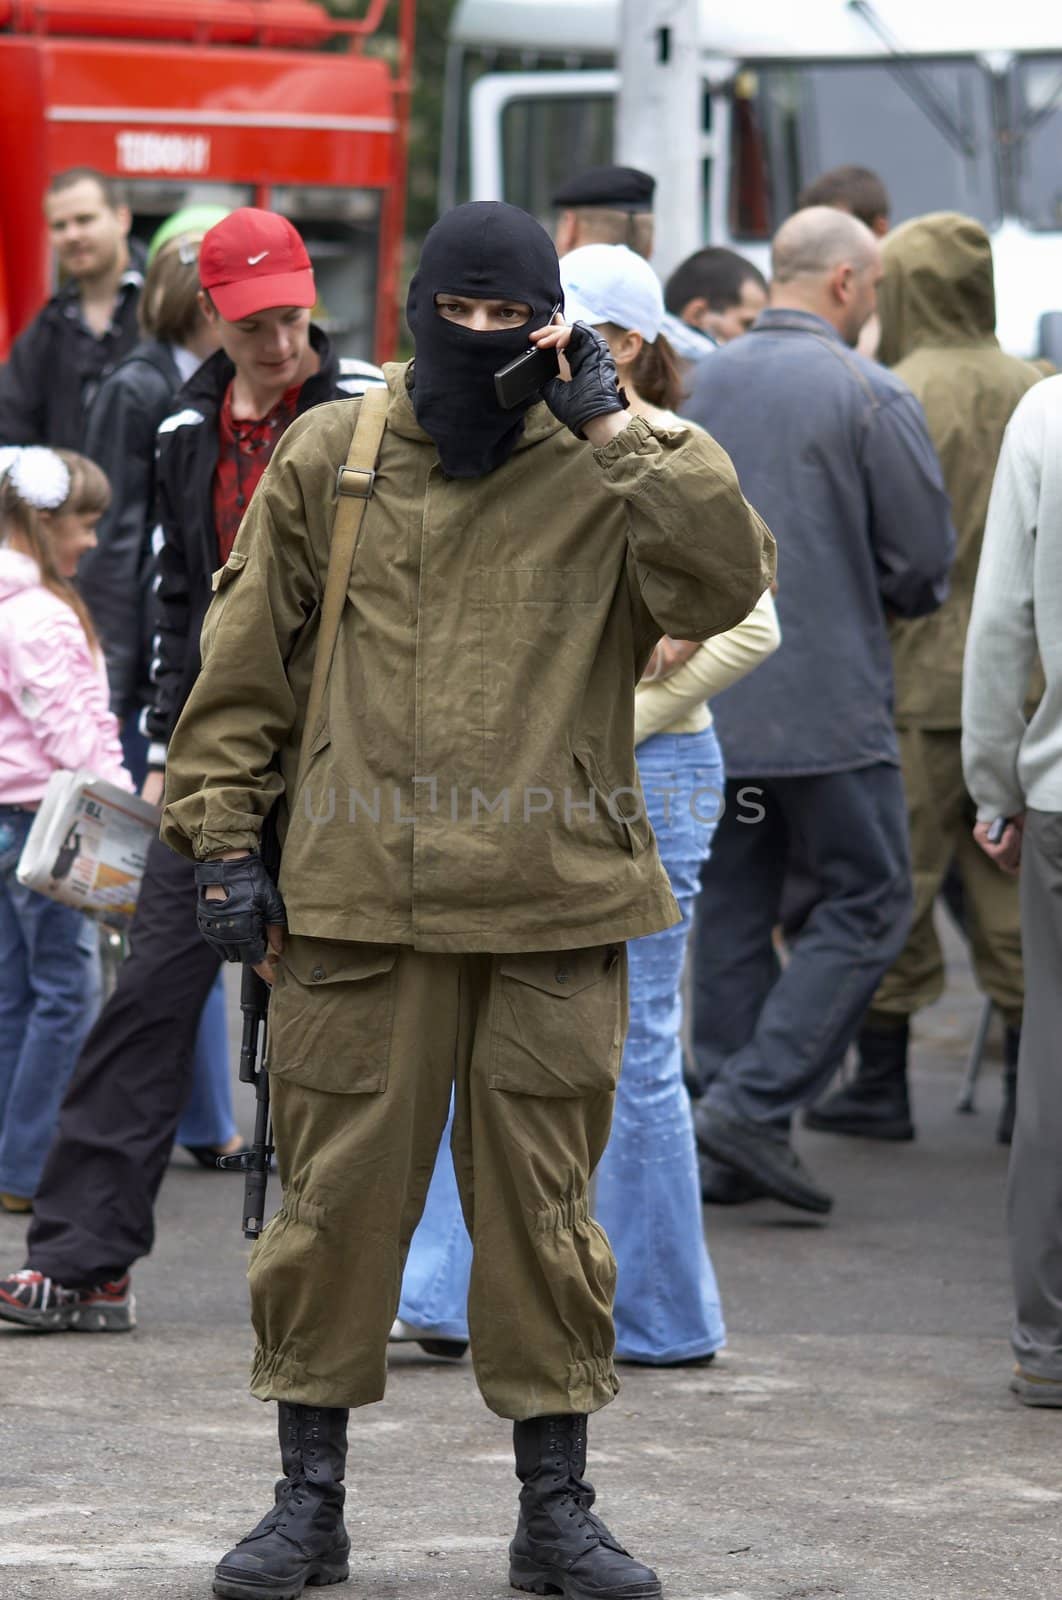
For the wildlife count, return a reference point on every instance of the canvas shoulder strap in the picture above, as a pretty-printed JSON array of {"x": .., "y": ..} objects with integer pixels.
[{"x": 355, "y": 482}]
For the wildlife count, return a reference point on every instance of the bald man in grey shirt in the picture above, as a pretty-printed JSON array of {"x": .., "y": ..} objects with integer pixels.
[{"x": 834, "y": 452}]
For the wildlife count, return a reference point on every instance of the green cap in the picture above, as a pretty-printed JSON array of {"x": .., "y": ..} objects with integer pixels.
[{"x": 191, "y": 219}]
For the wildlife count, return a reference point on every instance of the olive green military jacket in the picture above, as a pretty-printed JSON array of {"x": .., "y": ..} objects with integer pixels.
[
  {"x": 938, "y": 318},
  {"x": 471, "y": 784}
]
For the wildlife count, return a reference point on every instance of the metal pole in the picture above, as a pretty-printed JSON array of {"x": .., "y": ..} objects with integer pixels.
[
  {"x": 660, "y": 115},
  {"x": 965, "y": 1101}
]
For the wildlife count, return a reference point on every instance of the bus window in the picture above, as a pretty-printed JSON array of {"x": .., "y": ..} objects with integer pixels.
[
  {"x": 927, "y": 130},
  {"x": 341, "y": 228},
  {"x": 545, "y": 142},
  {"x": 1037, "y": 134}
]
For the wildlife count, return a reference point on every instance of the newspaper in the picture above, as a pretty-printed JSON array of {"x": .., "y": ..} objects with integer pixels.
[{"x": 88, "y": 845}]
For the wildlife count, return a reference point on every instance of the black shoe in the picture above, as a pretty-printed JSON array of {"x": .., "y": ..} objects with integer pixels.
[
  {"x": 725, "y": 1186},
  {"x": 875, "y": 1104},
  {"x": 560, "y": 1547},
  {"x": 302, "y": 1540},
  {"x": 1005, "y": 1125},
  {"x": 666, "y": 1366},
  {"x": 765, "y": 1157}
]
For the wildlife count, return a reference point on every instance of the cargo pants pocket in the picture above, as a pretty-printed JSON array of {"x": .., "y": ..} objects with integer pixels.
[
  {"x": 558, "y": 1021},
  {"x": 331, "y": 1015}
]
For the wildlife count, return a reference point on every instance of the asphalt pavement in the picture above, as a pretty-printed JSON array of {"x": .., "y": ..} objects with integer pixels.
[{"x": 856, "y": 1440}]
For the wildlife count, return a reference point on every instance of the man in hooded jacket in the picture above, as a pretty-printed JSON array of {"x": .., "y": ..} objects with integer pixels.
[
  {"x": 938, "y": 318},
  {"x": 465, "y": 857}
]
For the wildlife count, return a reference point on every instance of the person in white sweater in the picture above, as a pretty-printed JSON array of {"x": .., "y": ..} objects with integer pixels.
[{"x": 1013, "y": 770}]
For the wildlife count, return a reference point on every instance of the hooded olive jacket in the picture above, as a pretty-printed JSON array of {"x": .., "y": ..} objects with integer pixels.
[
  {"x": 471, "y": 784},
  {"x": 938, "y": 318}
]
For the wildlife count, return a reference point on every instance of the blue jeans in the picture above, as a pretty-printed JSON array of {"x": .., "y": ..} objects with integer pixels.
[
  {"x": 207, "y": 1118},
  {"x": 49, "y": 994},
  {"x": 647, "y": 1187},
  {"x": 439, "y": 1264}
]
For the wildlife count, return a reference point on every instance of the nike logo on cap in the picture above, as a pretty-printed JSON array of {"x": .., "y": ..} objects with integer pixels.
[{"x": 252, "y": 261}]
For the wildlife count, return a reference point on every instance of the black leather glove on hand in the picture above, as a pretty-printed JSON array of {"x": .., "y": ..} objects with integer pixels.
[
  {"x": 594, "y": 390},
  {"x": 236, "y": 926}
]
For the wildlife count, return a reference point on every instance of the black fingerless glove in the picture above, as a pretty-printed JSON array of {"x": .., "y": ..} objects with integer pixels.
[
  {"x": 594, "y": 389},
  {"x": 236, "y": 926}
]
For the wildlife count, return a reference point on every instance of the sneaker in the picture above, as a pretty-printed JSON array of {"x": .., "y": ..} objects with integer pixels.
[
  {"x": 429, "y": 1341},
  {"x": 34, "y": 1301}
]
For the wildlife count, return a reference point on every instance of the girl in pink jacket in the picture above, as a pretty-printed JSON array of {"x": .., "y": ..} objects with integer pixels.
[{"x": 53, "y": 716}]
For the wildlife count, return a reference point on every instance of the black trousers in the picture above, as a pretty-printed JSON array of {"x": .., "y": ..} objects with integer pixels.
[
  {"x": 93, "y": 1213},
  {"x": 766, "y": 1041}
]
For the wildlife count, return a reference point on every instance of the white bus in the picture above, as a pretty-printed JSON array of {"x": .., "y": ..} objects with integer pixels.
[{"x": 956, "y": 103}]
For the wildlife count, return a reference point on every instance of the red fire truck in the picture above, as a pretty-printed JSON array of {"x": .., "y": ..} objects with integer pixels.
[{"x": 238, "y": 102}]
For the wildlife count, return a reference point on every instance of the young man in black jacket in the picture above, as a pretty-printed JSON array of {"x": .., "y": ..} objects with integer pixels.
[
  {"x": 93, "y": 1212},
  {"x": 58, "y": 362}
]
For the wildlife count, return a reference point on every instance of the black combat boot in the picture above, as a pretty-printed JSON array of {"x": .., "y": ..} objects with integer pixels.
[
  {"x": 1011, "y": 1045},
  {"x": 302, "y": 1540},
  {"x": 560, "y": 1547},
  {"x": 875, "y": 1104}
]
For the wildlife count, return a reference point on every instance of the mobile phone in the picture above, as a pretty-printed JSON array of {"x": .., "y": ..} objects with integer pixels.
[
  {"x": 997, "y": 829},
  {"x": 527, "y": 375}
]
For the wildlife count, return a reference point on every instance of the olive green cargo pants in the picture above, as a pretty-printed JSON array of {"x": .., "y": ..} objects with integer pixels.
[
  {"x": 941, "y": 816},
  {"x": 366, "y": 1042}
]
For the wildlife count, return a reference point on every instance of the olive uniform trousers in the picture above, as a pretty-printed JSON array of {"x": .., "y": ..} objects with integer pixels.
[
  {"x": 941, "y": 816},
  {"x": 365, "y": 1044}
]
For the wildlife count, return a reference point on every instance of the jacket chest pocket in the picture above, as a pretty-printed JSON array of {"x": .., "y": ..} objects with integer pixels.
[
  {"x": 558, "y": 1021},
  {"x": 331, "y": 1015}
]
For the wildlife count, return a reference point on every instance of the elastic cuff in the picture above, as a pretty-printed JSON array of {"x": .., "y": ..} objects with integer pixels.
[
  {"x": 156, "y": 756},
  {"x": 206, "y": 845},
  {"x": 635, "y": 436}
]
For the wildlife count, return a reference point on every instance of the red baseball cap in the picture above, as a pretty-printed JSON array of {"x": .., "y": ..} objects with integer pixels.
[{"x": 253, "y": 261}]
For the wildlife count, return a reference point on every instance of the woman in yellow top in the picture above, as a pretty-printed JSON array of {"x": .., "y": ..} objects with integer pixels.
[{"x": 648, "y": 1196}]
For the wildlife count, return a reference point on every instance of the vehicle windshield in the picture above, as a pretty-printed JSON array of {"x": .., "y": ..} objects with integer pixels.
[
  {"x": 925, "y": 127},
  {"x": 1037, "y": 141}
]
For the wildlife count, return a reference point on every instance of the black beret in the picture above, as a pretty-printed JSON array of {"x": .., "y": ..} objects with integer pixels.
[{"x": 618, "y": 188}]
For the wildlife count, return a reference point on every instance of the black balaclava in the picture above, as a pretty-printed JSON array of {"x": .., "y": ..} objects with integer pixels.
[{"x": 483, "y": 251}]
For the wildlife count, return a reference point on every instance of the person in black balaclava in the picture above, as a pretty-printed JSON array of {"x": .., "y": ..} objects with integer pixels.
[
  {"x": 465, "y": 937},
  {"x": 481, "y": 251}
]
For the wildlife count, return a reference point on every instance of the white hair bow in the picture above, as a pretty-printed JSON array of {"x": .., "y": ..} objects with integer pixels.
[{"x": 38, "y": 476}]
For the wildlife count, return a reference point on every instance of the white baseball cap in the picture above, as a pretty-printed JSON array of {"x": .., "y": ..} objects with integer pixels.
[{"x": 609, "y": 283}]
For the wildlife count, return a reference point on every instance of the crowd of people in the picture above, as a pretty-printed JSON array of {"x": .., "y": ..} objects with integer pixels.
[{"x": 600, "y": 843}]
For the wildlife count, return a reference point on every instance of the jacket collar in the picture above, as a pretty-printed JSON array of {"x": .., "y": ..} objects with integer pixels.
[
  {"x": 18, "y": 572},
  {"x": 539, "y": 424},
  {"x": 790, "y": 321},
  {"x": 205, "y": 390},
  {"x": 151, "y": 353}
]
